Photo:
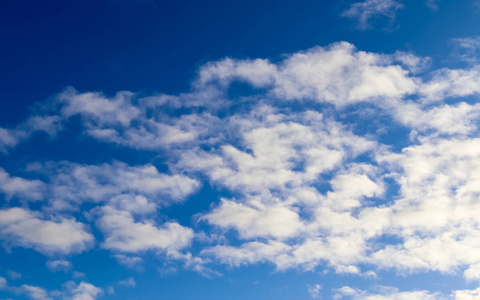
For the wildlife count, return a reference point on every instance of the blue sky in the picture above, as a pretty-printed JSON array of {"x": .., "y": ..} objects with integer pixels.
[{"x": 239, "y": 150}]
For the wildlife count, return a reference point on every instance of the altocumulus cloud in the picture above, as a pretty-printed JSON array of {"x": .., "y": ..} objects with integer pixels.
[{"x": 304, "y": 166}]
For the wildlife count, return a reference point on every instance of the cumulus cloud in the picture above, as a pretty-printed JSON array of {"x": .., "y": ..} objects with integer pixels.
[
  {"x": 20, "y": 227},
  {"x": 35, "y": 292},
  {"x": 123, "y": 234},
  {"x": 139, "y": 189},
  {"x": 13, "y": 186},
  {"x": 338, "y": 74}
]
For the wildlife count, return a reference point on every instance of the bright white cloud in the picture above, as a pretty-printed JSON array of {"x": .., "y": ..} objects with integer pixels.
[
  {"x": 338, "y": 74},
  {"x": 20, "y": 227},
  {"x": 123, "y": 234},
  {"x": 260, "y": 220}
]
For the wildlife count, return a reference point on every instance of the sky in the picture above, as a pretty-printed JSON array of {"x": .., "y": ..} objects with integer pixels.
[{"x": 239, "y": 149}]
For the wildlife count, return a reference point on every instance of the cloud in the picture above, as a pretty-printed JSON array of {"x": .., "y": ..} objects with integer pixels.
[
  {"x": 314, "y": 291},
  {"x": 139, "y": 189},
  {"x": 385, "y": 293},
  {"x": 364, "y": 12},
  {"x": 338, "y": 74},
  {"x": 36, "y": 293},
  {"x": 82, "y": 291},
  {"x": 130, "y": 282},
  {"x": 3, "y": 283},
  {"x": 311, "y": 171},
  {"x": 20, "y": 187},
  {"x": 123, "y": 234},
  {"x": 59, "y": 265},
  {"x": 14, "y": 275},
  {"x": 466, "y": 49},
  {"x": 275, "y": 221},
  {"x": 9, "y": 138},
  {"x": 467, "y": 294},
  {"x": 129, "y": 261},
  {"x": 20, "y": 227},
  {"x": 432, "y": 4}
]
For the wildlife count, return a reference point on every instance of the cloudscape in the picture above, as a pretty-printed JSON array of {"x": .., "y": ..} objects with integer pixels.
[{"x": 243, "y": 150}]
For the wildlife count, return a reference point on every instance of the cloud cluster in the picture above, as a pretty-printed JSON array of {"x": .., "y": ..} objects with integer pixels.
[{"x": 337, "y": 151}]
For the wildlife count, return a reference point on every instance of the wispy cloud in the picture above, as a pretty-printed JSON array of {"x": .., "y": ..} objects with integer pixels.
[{"x": 365, "y": 12}]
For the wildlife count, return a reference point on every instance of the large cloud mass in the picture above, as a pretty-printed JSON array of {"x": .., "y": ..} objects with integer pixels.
[{"x": 334, "y": 152}]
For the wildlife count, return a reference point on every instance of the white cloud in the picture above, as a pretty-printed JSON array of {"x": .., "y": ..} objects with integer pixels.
[
  {"x": 3, "y": 283},
  {"x": 129, "y": 261},
  {"x": 97, "y": 109},
  {"x": 13, "y": 186},
  {"x": 123, "y": 234},
  {"x": 130, "y": 282},
  {"x": 467, "y": 294},
  {"x": 338, "y": 74},
  {"x": 36, "y": 293},
  {"x": 256, "y": 220},
  {"x": 135, "y": 188},
  {"x": 385, "y": 293},
  {"x": 59, "y": 265},
  {"x": 301, "y": 188},
  {"x": 447, "y": 83},
  {"x": 20, "y": 227},
  {"x": 249, "y": 253},
  {"x": 9, "y": 138},
  {"x": 364, "y": 12},
  {"x": 84, "y": 291},
  {"x": 467, "y": 49},
  {"x": 314, "y": 291}
]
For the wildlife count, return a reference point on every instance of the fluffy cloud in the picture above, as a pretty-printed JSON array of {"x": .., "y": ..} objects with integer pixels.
[
  {"x": 84, "y": 291},
  {"x": 123, "y": 234},
  {"x": 35, "y": 292},
  {"x": 135, "y": 188},
  {"x": 20, "y": 227},
  {"x": 13, "y": 186},
  {"x": 338, "y": 74}
]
